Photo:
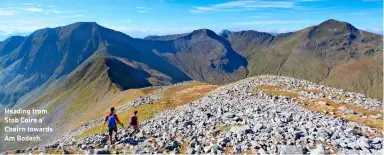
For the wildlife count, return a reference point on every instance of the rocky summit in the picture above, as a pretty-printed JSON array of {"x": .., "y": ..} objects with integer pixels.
[
  {"x": 258, "y": 115},
  {"x": 90, "y": 67}
]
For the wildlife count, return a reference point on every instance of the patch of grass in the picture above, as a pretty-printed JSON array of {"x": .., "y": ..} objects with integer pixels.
[
  {"x": 172, "y": 97},
  {"x": 183, "y": 148},
  {"x": 314, "y": 91},
  {"x": 273, "y": 90},
  {"x": 91, "y": 96},
  {"x": 87, "y": 95},
  {"x": 269, "y": 87},
  {"x": 320, "y": 108},
  {"x": 129, "y": 95},
  {"x": 223, "y": 128},
  {"x": 377, "y": 123},
  {"x": 333, "y": 107}
]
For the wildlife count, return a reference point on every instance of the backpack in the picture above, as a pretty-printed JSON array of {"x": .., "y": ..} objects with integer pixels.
[
  {"x": 112, "y": 121},
  {"x": 133, "y": 120}
]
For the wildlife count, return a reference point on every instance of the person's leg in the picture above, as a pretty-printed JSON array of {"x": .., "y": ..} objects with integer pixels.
[
  {"x": 110, "y": 139},
  {"x": 110, "y": 135},
  {"x": 133, "y": 132},
  {"x": 130, "y": 134},
  {"x": 115, "y": 129},
  {"x": 137, "y": 129}
]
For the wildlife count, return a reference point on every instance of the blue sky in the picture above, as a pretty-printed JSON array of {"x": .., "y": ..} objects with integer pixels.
[{"x": 139, "y": 18}]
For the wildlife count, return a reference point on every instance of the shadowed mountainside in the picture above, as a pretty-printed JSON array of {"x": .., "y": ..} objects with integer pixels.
[
  {"x": 324, "y": 53},
  {"x": 45, "y": 58},
  {"x": 86, "y": 66}
]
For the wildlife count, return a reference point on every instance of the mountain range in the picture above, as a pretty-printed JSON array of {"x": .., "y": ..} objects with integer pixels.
[
  {"x": 84, "y": 65},
  {"x": 54, "y": 57}
]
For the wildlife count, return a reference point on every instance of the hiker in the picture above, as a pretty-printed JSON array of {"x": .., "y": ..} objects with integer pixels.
[
  {"x": 134, "y": 122},
  {"x": 112, "y": 126}
]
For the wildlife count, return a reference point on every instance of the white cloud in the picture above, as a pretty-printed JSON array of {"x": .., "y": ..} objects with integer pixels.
[
  {"x": 6, "y": 12},
  {"x": 144, "y": 8},
  {"x": 75, "y": 16},
  {"x": 34, "y": 9},
  {"x": 244, "y": 5},
  {"x": 142, "y": 32},
  {"x": 195, "y": 11},
  {"x": 233, "y": 4},
  {"x": 374, "y": 30},
  {"x": 285, "y": 5},
  {"x": 38, "y": 8},
  {"x": 142, "y": 11},
  {"x": 204, "y": 8},
  {"x": 268, "y": 22},
  {"x": 23, "y": 26},
  {"x": 199, "y": 9},
  {"x": 28, "y": 4},
  {"x": 310, "y": 0},
  {"x": 52, "y": 11}
]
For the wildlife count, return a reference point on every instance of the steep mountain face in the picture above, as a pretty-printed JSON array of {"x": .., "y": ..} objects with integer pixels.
[
  {"x": 166, "y": 37},
  {"x": 10, "y": 44},
  {"x": 204, "y": 56},
  {"x": 246, "y": 43},
  {"x": 89, "y": 88},
  {"x": 224, "y": 33},
  {"x": 325, "y": 54},
  {"x": 86, "y": 66},
  {"x": 47, "y": 56}
]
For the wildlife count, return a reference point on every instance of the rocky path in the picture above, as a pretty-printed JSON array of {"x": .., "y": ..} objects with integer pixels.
[{"x": 259, "y": 115}]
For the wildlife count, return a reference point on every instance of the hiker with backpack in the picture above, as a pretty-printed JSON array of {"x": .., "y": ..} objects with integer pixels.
[
  {"x": 112, "y": 126},
  {"x": 134, "y": 122}
]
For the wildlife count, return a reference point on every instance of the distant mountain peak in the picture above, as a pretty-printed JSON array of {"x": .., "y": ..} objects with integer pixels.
[
  {"x": 85, "y": 23},
  {"x": 10, "y": 44},
  {"x": 335, "y": 24},
  {"x": 332, "y": 21},
  {"x": 203, "y": 32},
  {"x": 225, "y": 33}
]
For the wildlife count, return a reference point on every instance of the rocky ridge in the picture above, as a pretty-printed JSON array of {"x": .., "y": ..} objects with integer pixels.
[{"x": 259, "y": 115}]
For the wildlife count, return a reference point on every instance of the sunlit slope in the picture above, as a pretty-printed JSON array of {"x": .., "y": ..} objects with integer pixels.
[
  {"x": 333, "y": 53},
  {"x": 89, "y": 92}
]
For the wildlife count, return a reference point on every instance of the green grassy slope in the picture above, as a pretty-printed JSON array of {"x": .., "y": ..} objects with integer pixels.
[
  {"x": 333, "y": 53},
  {"x": 87, "y": 93}
]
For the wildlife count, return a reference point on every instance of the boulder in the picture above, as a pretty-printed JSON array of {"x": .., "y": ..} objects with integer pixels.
[
  {"x": 288, "y": 150},
  {"x": 102, "y": 151},
  {"x": 319, "y": 150},
  {"x": 241, "y": 129}
]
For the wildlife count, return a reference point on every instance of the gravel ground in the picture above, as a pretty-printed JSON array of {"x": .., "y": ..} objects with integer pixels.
[{"x": 236, "y": 119}]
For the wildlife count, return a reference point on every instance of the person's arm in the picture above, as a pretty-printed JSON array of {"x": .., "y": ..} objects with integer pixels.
[
  {"x": 138, "y": 123},
  {"x": 105, "y": 119},
  {"x": 118, "y": 121}
]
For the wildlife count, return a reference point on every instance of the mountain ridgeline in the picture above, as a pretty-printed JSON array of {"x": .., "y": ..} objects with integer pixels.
[
  {"x": 54, "y": 60},
  {"x": 86, "y": 66}
]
